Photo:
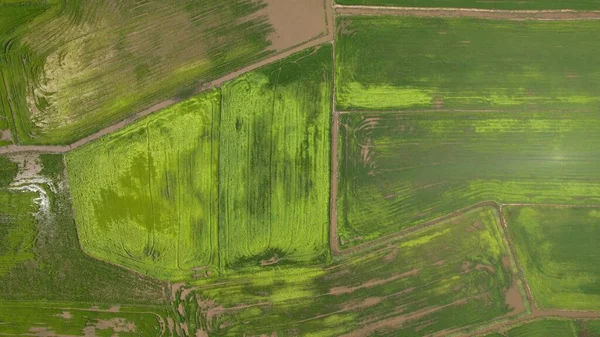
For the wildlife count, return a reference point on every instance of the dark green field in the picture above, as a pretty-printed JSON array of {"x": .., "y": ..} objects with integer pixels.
[
  {"x": 499, "y": 4},
  {"x": 559, "y": 254},
  {"x": 396, "y": 63}
]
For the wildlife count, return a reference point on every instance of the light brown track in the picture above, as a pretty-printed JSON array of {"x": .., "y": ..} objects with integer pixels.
[
  {"x": 327, "y": 37},
  {"x": 541, "y": 15}
]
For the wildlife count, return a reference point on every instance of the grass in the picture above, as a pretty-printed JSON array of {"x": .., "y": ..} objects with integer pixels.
[
  {"x": 551, "y": 327},
  {"x": 446, "y": 277},
  {"x": 14, "y": 17},
  {"x": 23, "y": 320},
  {"x": 274, "y": 162},
  {"x": 217, "y": 182},
  {"x": 150, "y": 191},
  {"x": 401, "y": 169},
  {"x": 40, "y": 254},
  {"x": 80, "y": 66},
  {"x": 395, "y": 63},
  {"x": 502, "y": 4},
  {"x": 557, "y": 250},
  {"x": 485, "y": 110}
]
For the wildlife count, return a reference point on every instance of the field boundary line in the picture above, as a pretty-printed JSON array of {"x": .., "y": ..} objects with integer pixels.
[{"x": 446, "y": 12}]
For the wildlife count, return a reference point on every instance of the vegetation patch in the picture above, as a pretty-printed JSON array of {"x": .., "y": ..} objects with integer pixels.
[
  {"x": 558, "y": 252},
  {"x": 42, "y": 320},
  {"x": 407, "y": 63},
  {"x": 442, "y": 279},
  {"x": 399, "y": 169},
  {"x": 40, "y": 255},
  {"x": 274, "y": 163},
  {"x": 498, "y": 4},
  {"x": 146, "y": 196}
]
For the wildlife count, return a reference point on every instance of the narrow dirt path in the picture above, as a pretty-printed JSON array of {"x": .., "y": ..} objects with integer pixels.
[{"x": 547, "y": 15}]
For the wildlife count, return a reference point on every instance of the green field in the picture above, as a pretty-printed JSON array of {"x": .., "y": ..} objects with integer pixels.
[
  {"x": 83, "y": 65},
  {"x": 274, "y": 162},
  {"x": 394, "y": 63},
  {"x": 150, "y": 191},
  {"x": 22, "y": 320},
  {"x": 401, "y": 169},
  {"x": 485, "y": 110},
  {"x": 40, "y": 258},
  {"x": 552, "y": 327},
  {"x": 14, "y": 17},
  {"x": 446, "y": 277},
  {"x": 500, "y": 4},
  {"x": 557, "y": 248},
  {"x": 193, "y": 189}
]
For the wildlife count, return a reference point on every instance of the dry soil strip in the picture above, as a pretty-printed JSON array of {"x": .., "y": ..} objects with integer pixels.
[
  {"x": 328, "y": 37},
  {"x": 542, "y": 15}
]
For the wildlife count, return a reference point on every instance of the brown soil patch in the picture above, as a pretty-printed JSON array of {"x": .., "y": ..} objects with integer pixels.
[
  {"x": 366, "y": 303},
  {"x": 181, "y": 310},
  {"x": 506, "y": 261},
  {"x": 398, "y": 321},
  {"x": 6, "y": 135},
  {"x": 372, "y": 283},
  {"x": 439, "y": 263},
  {"x": 116, "y": 324},
  {"x": 201, "y": 333},
  {"x": 271, "y": 261},
  {"x": 481, "y": 266},
  {"x": 295, "y": 21},
  {"x": 65, "y": 315},
  {"x": 514, "y": 300},
  {"x": 476, "y": 226},
  {"x": 470, "y": 13},
  {"x": 570, "y": 75},
  {"x": 42, "y": 332},
  {"x": 391, "y": 256}
]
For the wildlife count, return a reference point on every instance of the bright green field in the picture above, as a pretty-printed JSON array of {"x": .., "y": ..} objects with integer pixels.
[
  {"x": 146, "y": 196},
  {"x": 394, "y": 63},
  {"x": 193, "y": 189},
  {"x": 448, "y": 276},
  {"x": 401, "y": 169},
  {"x": 274, "y": 162},
  {"x": 499, "y": 4},
  {"x": 77, "y": 321},
  {"x": 551, "y": 327},
  {"x": 559, "y": 254},
  {"x": 83, "y": 65}
]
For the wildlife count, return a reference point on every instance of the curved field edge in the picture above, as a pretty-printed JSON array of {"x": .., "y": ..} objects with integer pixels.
[{"x": 453, "y": 276}]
